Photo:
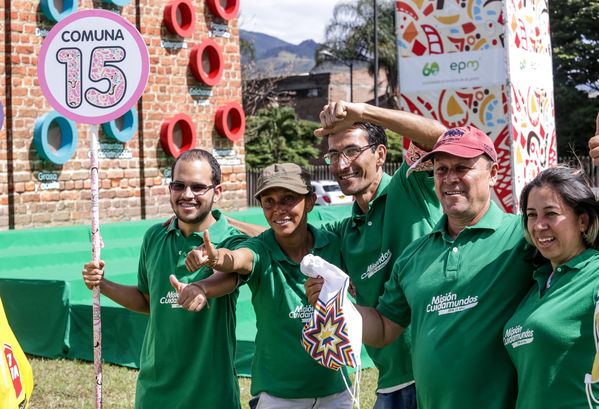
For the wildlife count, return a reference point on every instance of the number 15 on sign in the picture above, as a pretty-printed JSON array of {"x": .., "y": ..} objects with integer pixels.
[{"x": 93, "y": 66}]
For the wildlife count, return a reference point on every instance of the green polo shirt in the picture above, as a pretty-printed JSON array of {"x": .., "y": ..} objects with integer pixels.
[
  {"x": 281, "y": 367},
  {"x": 457, "y": 294},
  {"x": 187, "y": 358},
  {"x": 403, "y": 209},
  {"x": 550, "y": 337}
]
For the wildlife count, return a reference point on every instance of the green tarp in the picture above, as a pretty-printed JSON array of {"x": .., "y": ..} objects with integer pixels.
[{"x": 49, "y": 307}]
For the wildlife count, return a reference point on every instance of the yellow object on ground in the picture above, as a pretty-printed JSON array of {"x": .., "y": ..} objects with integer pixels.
[{"x": 16, "y": 377}]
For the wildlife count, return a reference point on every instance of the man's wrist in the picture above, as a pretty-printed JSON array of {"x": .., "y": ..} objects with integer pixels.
[
  {"x": 199, "y": 287},
  {"x": 202, "y": 289},
  {"x": 214, "y": 261}
]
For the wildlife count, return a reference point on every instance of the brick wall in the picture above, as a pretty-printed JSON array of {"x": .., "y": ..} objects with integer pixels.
[{"x": 34, "y": 192}]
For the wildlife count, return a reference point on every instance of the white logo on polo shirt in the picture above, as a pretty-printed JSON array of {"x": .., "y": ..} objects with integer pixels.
[
  {"x": 515, "y": 337},
  {"x": 449, "y": 303},
  {"x": 170, "y": 298},
  {"x": 303, "y": 312},
  {"x": 375, "y": 267}
]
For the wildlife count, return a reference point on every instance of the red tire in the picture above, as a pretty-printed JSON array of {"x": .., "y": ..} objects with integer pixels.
[
  {"x": 208, "y": 50},
  {"x": 186, "y": 26},
  {"x": 188, "y": 135},
  {"x": 227, "y": 12},
  {"x": 230, "y": 121}
]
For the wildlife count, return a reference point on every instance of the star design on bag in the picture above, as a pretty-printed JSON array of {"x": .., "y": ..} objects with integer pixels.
[{"x": 325, "y": 337}]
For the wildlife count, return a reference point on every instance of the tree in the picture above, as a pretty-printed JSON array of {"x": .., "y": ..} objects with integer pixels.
[
  {"x": 258, "y": 92},
  {"x": 394, "y": 146},
  {"x": 247, "y": 50},
  {"x": 258, "y": 86},
  {"x": 575, "y": 43},
  {"x": 276, "y": 135},
  {"x": 349, "y": 36}
]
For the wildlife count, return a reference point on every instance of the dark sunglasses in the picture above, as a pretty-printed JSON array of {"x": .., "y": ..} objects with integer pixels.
[{"x": 196, "y": 188}]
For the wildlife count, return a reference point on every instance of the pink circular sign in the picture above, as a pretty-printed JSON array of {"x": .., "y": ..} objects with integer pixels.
[{"x": 93, "y": 66}]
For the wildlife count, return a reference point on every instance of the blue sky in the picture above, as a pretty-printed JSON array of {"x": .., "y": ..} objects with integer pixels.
[{"x": 291, "y": 20}]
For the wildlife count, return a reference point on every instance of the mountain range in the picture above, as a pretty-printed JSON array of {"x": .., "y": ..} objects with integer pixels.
[{"x": 277, "y": 57}]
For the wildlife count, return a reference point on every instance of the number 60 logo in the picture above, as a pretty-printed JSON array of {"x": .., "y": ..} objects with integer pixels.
[{"x": 93, "y": 66}]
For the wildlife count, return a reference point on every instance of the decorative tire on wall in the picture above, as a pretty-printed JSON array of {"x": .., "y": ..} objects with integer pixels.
[
  {"x": 230, "y": 121},
  {"x": 123, "y": 133},
  {"x": 228, "y": 11},
  {"x": 53, "y": 14},
  {"x": 68, "y": 138},
  {"x": 206, "y": 61},
  {"x": 184, "y": 26},
  {"x": 167, "y": 135}
]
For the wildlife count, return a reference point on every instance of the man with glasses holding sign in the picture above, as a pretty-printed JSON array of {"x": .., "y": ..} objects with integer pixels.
[
  {"x": 388, "y": 214},
  {"x": 187, "y": 360}
]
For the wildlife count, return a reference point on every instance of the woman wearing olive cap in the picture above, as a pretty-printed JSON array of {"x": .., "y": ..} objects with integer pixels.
[{"x": 283, "y": 374}]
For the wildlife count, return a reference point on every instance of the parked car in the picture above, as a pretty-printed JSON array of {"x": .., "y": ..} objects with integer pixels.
[{"x": 329, "y": 193}]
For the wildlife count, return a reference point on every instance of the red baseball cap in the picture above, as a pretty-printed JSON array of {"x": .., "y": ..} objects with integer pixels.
[{"x": 464, "y": 142}]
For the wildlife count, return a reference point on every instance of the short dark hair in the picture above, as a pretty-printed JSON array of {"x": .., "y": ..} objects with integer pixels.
[
  {"x": 374, "y": 133},
  {"x": 200, "y": 154},
  {"x": 574, "y": 188}
]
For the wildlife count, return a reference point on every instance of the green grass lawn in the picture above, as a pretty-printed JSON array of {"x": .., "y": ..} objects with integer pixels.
[{"x": 67, "y": 384}]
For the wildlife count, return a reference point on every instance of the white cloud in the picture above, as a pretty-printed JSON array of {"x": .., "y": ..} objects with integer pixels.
[{"x": 291, "y": 20}]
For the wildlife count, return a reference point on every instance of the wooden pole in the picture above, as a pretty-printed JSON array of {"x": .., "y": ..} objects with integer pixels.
[{"x": 96, "y": 246}]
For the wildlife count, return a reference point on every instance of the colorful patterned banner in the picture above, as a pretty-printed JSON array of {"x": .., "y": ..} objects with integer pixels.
[
  {"x": 532, "y": 113},
  {"x": 453, "y": 65}
]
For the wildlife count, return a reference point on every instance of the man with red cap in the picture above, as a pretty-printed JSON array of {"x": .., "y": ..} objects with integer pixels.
[{"x": 457, "y": 285}]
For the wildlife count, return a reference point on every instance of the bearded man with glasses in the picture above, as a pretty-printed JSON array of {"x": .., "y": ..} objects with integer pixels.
[{"x": 179, "y": 348}]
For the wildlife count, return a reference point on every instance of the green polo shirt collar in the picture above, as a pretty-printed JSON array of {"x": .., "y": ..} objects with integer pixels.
[
  {"x": 490, "y": 221},
  {"x": 218, "y": 230},
  {"x": 357, "y": 216},
  {"x": 541, "y": 274},
  {"x": 320, "y": 241}
]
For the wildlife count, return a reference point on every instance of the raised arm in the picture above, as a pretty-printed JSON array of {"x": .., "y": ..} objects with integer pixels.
[
  {"x": 225, "y": 260},
  {"x": 128, "y": 296},
  {"x": 341, "y": 115},
  {"x": 249, "y": 229}
]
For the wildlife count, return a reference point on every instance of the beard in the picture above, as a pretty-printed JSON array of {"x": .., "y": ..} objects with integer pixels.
[
  {"x": 196, "y": 218},
  {"x": 201, "y": 210}
]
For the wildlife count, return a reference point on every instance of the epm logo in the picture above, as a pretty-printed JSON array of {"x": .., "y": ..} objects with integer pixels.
[
  {"x": 430, "y": 69},
  {"x": 460, "y": 66}
]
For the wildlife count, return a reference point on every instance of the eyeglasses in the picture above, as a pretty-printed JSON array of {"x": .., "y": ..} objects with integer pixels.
[
  {"x": 199, "y": 189},
  {"x": 350, "y": 153},
  {"x": 287, "y": 201}
]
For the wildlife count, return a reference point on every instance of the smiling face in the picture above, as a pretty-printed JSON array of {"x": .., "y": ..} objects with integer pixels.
[
  {"x": 554, "y": 228},
  {"x": 463, "y": 186},
  {"x": 360, "y": 176},
  {"x": 191, "y": 209},
  {"x": 286, "y": 211}
]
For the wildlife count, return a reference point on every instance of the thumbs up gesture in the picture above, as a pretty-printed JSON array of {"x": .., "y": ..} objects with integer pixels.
[
  {"x": 192, "y": 296},
  {"x": 204, "y": 255},
  {"x": 594, "y": 144}
]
